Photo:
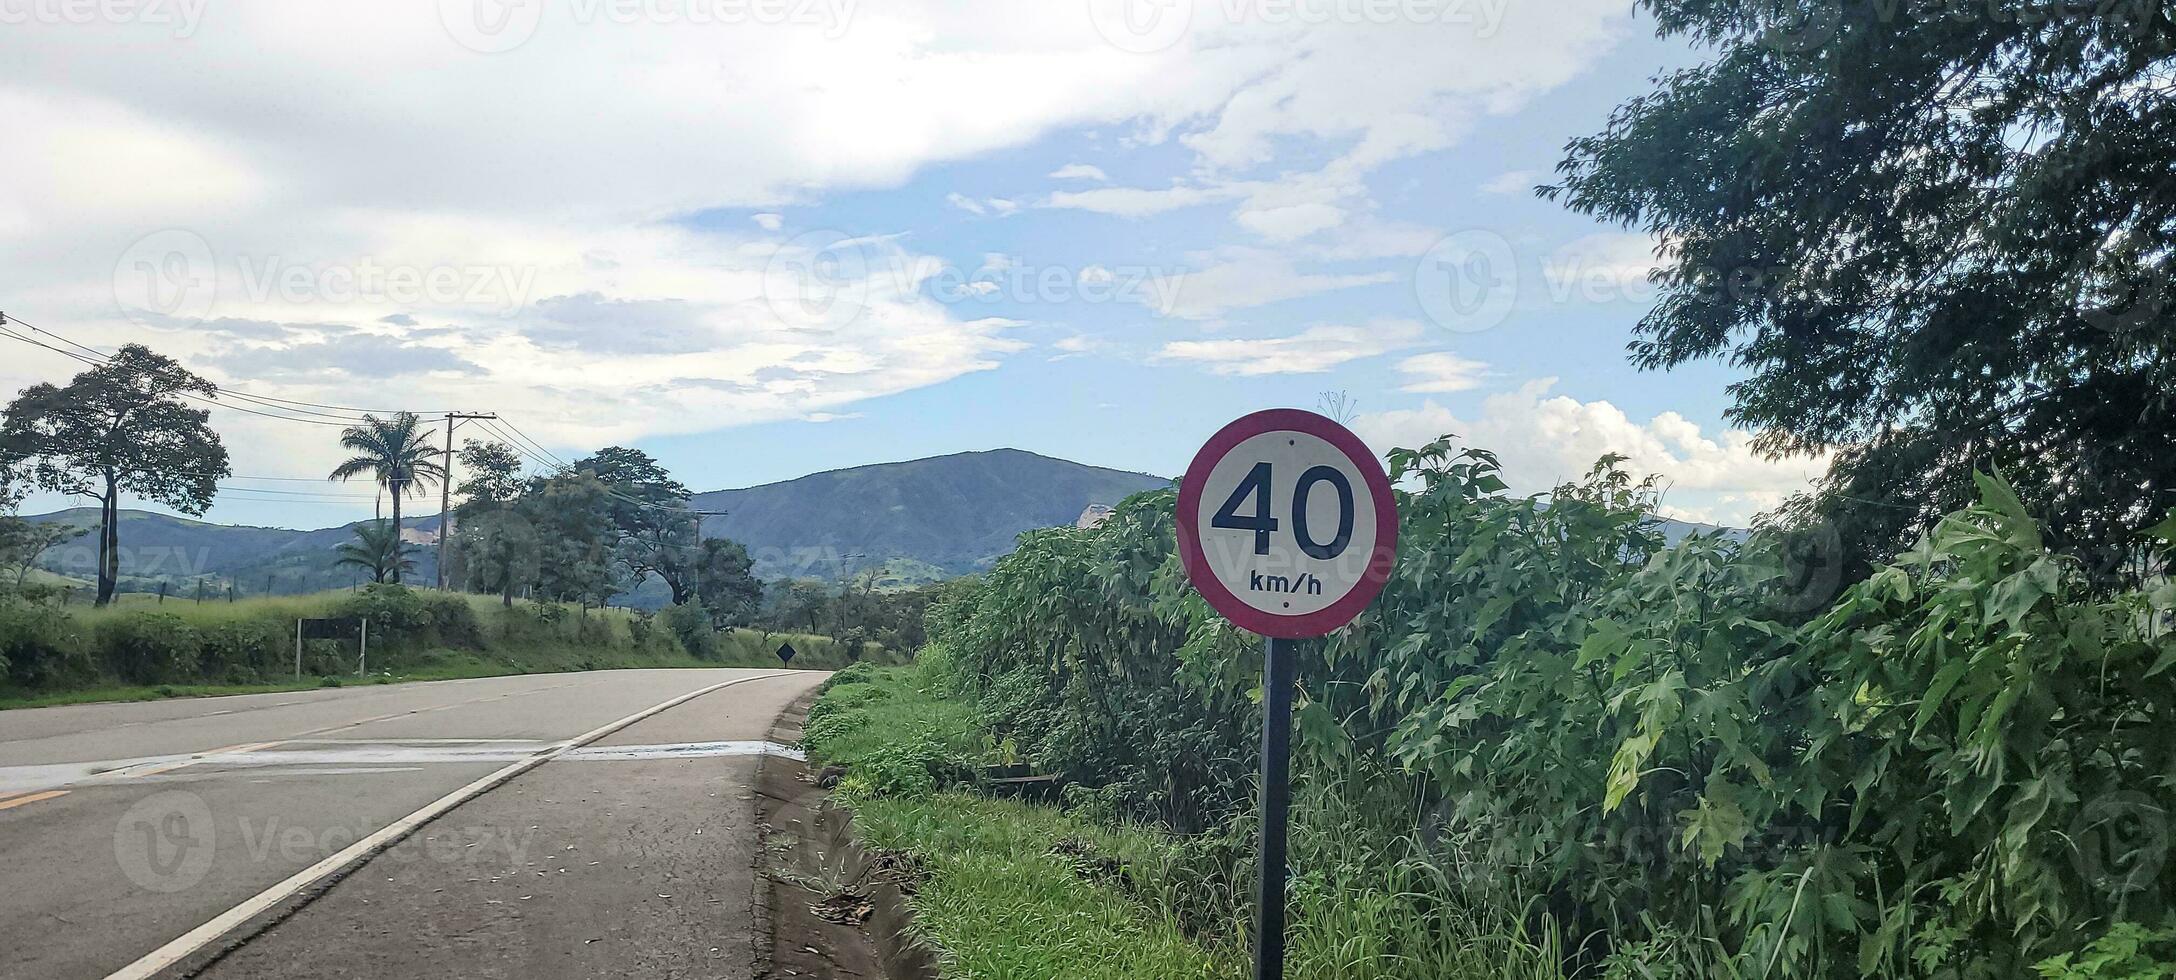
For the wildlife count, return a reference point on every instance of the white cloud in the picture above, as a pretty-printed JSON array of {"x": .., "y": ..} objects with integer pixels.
[
  {"x": 1441, "y": 371},
  {"x": 1311, "y": 351},
  {"x": 1243, "y": 278},
  {"x": 1546, "y": 439},
  {"x": 1602, "y": 268},
  {"x": 1513, "y": 182},
  {"x": 568, "y": 164},
  {"x": 1080, "y": 171}
]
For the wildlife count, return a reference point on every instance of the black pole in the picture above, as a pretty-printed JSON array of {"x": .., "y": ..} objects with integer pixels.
[{"x": 1277, "y": 681}]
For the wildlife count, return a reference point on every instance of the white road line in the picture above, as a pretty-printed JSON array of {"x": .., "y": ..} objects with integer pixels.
[{"x": 362, "y": 850}]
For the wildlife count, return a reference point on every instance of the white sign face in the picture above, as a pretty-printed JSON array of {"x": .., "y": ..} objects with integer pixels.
[{"x": 1285, "y": 523}]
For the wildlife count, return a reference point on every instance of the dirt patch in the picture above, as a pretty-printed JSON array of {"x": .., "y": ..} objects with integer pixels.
[{"x": 830, "y": 907}]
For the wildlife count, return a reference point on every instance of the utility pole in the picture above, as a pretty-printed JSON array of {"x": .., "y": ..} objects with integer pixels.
[{"x": 445, "y": 488}]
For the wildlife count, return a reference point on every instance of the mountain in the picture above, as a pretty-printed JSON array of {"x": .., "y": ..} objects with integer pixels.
[
  {"x": 179, "y": 551},
  {"x": 908, "y": 523},
  {"x": 912, "y": 522},
  {"x": 950, "y": 514}
]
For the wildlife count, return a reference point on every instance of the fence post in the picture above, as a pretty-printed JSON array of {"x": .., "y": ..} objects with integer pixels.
[{"x": 298, "y": 650}]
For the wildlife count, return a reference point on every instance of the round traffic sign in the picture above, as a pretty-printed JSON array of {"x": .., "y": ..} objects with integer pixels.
[{"x": 1286, "y": 525}]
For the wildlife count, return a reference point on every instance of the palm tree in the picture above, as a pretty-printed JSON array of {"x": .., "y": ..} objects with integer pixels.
[
  {"x": 397, "y": 453},
  {"x": 378, "y": 548}
]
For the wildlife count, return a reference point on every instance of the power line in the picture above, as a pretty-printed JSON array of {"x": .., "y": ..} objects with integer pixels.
[{"x": 102, "y": 356}]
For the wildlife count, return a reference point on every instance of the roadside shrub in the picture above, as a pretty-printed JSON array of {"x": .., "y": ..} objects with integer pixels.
[
  {"x": 690, "y": 626},
  {"x": 149, "y": 647},
  {"x": 640, "y": 630},
  {"x": 453, "y": 621},
  {"x": 247, "y": 652},
  {"x": 40, "y": 646},
  {"x": 1672, "y": 752}
]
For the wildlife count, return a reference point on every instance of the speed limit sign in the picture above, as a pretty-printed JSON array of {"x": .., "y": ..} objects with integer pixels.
[
  {"x": 1286, "y": 524},
  {"x": 1287, "y": 527}
]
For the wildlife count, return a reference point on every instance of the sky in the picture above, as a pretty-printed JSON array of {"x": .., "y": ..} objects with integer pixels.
[{"x": 762, "y": 238}]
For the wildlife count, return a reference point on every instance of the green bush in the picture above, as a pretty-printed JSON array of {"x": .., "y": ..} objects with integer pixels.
[
  {"x": 689, "y": 625},
  {"x": 1682, "y": 751},
  {"x": 149, "y": 647},
  {"x": 40, "y": 646},
  {"x": 2128, "y": 952}
]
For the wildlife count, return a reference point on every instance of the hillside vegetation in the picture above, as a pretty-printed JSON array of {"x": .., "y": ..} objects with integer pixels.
[
  {"x": 1555, "y": 732},
  {"x": 143, "y": 648}
]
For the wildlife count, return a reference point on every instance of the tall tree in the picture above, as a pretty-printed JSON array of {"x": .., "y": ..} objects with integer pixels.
[
  {"x": 655, "y": 532},
  {"x": 572, "y": 515},
  {"x": 120, "y": 427},
  {"x": 725, "y": 578},
  {"x": 377, "y": 549},
  {"x": 397, "y": 453},
  {"x": 494, "y": 474},
  {"x": 1937, "y": 237}
]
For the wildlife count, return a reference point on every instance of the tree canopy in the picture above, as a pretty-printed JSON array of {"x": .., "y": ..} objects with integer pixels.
[
  {"x": 120, "y": 427},
  {"x": 1934, "y": 243},
  {"x": 395, "y": 451}
]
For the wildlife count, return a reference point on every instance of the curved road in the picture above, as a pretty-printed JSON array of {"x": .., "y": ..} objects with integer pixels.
[{"x": 125, "y": 826}]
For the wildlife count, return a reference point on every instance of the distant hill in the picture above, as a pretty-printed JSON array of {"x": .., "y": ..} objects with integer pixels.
[
  {"x": 951, "y": 514},
  {"x": 909, "y": 523},
  {"x": 179, "y": 551}
]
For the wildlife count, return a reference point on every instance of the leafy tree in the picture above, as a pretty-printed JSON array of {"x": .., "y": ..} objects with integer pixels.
[
  {"x": 655, "y": 532},
  {"x": 396, "y": 452},
  {"x": 21, "y": 542},
  {"x": 572, "y": 515},
  {"x": 120, "y": 427},
  {"x": 498, "y": 550},
  {"x": 1938, "y": 237},
  {"x": 378, "y": 549},
  {"x": 724, "y": 577},
  {"x": 494, "y": 474}
]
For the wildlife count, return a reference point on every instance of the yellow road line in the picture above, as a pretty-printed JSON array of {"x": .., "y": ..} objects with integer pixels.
[{"x": 32, "y": 798}]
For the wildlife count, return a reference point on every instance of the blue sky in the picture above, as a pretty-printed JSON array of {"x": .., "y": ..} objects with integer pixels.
[{"x": 761, "y": 249}]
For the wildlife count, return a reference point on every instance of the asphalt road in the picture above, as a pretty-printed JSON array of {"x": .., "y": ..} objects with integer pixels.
[{"x": 123, "y": 827}]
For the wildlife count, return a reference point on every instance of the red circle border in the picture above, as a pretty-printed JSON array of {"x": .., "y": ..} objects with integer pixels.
[{"x": 1322, "y": 621}]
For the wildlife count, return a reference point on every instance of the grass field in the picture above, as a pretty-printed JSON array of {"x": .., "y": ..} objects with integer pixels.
[{"x": 1011, "y": 892}]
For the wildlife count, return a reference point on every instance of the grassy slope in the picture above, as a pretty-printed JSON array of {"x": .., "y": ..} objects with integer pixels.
[
  {"x": 1002, "y": 904},
  {"x": 999, "y": 903}
]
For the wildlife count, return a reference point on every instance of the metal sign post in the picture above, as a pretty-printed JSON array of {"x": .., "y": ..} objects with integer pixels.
[
  {"x": 1286, "y": 527},
  {"x": 1277, "y": 679}
]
